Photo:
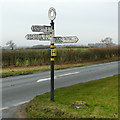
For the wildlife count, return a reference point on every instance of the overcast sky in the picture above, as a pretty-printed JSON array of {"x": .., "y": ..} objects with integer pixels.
[{"x": 89, "y": 20}]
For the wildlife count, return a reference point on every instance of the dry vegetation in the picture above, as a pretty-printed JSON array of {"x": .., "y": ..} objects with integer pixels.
[{"x": 34, "y": 57}]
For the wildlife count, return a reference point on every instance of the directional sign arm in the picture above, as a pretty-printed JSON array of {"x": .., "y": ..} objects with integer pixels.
[
  {"x": 40, "y": 28},
  {"x": 66, "y": 39},
  {"x": 41, "y": 37}
]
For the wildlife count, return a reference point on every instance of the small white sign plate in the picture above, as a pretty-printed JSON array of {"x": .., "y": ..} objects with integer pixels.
[
  {"x": 40, "y": 28},
  {"x": 42, "y": 37},
  {"x": 66, "y": 39}
]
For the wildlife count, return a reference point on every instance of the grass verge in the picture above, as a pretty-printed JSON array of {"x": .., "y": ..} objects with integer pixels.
[
  {"x": 100, "y": 95},
  {"x": 28, "y": 70},
  {"x": 14, "y": 71}
]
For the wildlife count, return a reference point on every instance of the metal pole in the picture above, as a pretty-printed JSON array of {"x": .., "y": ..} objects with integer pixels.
[{"x": 52, "y": 67}]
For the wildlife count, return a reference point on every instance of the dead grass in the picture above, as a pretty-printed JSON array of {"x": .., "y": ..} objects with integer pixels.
[{"x": 12, "y": 71}]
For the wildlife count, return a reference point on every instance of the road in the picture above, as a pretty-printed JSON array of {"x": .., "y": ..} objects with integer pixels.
[{"x": 20, "y": 89}]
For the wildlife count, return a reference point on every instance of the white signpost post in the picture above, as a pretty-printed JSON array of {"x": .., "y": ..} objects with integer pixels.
[{"x": 46, "y": 33}]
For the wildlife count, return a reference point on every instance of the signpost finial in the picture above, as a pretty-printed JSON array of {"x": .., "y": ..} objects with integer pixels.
[{"x": 52, "y": 13}]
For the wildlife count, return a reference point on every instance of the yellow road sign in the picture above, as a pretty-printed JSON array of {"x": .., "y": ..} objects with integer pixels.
[{"x": 53, "y": 52}]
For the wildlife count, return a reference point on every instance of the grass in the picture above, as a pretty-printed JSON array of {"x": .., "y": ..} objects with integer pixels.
[
  {"x": 28, "y": 70},
  {"x": 21, "y": 72},
  {"x": 13, "y": 71},
  {"x": 100, "y": 95}
]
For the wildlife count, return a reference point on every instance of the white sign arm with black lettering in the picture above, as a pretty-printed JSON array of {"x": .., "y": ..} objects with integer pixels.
[
  {"x": 42, "y": 37},
  {"x": 40, "y": 28},
  {"x": 66, "y": 39}
]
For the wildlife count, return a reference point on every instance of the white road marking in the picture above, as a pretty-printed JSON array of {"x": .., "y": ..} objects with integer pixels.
[
  {"x": 43, "y": 79},
  {"x": 57, "y": 76},
  {"x": 4, "y": 108},
  {"x": 20, "y": 103},
  {"x": 68, "y": 74}
]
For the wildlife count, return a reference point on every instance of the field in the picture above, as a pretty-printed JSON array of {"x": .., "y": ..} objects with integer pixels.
[
  {"x": 38, "y": 57},
  {"x": 100, "y": 95}
]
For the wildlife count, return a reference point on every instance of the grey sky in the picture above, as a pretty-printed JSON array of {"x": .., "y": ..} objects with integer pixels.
[{"x": 89, "y": 21}]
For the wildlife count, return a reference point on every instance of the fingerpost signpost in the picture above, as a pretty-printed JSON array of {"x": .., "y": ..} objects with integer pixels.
[{"x": 47, "y": 33}]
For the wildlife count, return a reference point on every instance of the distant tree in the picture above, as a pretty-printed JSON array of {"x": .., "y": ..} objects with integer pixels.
[
  {"x": 11, "y": 44},
  {"x": 107, "y": 41}
]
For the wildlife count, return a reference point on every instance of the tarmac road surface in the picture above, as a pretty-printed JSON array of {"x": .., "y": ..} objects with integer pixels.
[{"x": 18, "y": 90}]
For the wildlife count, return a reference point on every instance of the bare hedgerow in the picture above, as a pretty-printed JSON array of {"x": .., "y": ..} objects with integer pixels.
[{"x": 34, "y": 57}]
